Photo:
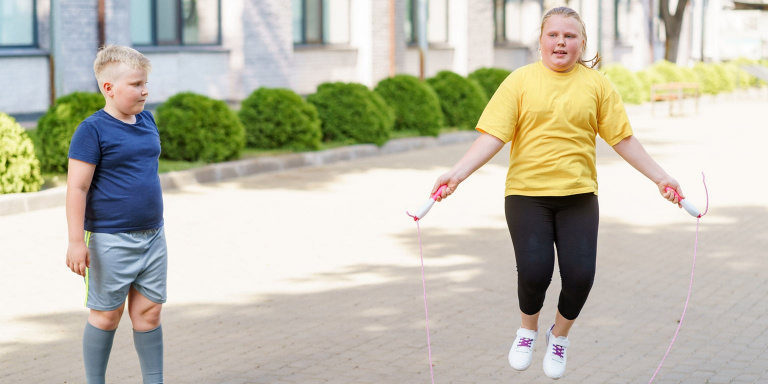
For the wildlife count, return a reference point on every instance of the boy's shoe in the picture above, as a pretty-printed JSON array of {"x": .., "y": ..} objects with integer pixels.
[
  {"x": 554, "y": 359},
  {"x": 521, "y": 354}
]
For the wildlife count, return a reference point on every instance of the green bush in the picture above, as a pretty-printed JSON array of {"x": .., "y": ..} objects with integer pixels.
[
  {"x": 728, "y": 83},
  {"x": 741, "y": 79},
  {"x": 489, "y": 79},
  {"x": 751, "y": 81},
  {"x": 197, "y": 128},
  {"x": 280, "y": 119},
  {"x": 670, "y": 72},
  {"x": 648, "y": 78},
  {"x": 626, "y": 82},
  {"x": 414, "y": 103},
  {"x": 56, "y": 127},
  {"x": 19, "y": 167},
  {"x": 352, "y": 113},
  {"x": 709, "y": 78},
  {"x": 461, "y": 99}
]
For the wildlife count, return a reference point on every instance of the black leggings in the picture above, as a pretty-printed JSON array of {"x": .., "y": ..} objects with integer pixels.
[{"x": 568, "y": 222}]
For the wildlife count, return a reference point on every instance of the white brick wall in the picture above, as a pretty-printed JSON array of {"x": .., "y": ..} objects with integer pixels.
[
  {"x": 313, "y": 67},
  {"x": 74, "y": 40},
  {"x": 205, "y": 73},
  {"x": 479, "y": 32},
  {"x": 267, "y": 44},
  {"x": 25, "y": 84}
]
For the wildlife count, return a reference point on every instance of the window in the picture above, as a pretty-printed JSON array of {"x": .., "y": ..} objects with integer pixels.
[
  {"x": 621, "y": 20},
  {"x": 437, "y": 21},
  {"x": 499, "y": 21},
  {"x": 176, "y": 22},
  {"x": 321, "y": 21},
  {"x": 18, "y": 23},
  {"x": 509, "y": 21}
]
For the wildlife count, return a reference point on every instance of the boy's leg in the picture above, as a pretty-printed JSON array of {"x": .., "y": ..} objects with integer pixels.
[
  {"x": 147, "y": 335},
  {"x": 97, "y": 343}
]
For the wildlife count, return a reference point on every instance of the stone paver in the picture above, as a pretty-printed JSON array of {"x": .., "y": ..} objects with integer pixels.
[{"x": 312, "y": 275}]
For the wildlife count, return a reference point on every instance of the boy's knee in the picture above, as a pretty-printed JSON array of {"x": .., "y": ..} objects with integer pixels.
[
  {"x": 105, "y": 320},
  {"x": 147, "y": 318}
]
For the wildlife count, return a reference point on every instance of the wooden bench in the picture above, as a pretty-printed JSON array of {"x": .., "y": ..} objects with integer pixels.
[{"x": 674, "y": 93}]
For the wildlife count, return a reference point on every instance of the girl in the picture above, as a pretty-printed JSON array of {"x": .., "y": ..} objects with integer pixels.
[{"x": 551, "y": 111}]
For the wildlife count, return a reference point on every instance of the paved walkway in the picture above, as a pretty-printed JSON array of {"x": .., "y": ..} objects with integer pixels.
[{"x": 312, "y": 275}]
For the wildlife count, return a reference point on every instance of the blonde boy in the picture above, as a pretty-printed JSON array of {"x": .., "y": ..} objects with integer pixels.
[{"x": 115, "y": 216}]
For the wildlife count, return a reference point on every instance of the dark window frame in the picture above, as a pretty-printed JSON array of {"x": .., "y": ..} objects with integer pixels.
[
  {"x": 35, "y": 41},
  {"x": 500, "y": 39},
  {"x": 179, "y": 41},
  {"x": 414, "y": 38},
  {"x": 321, "y": 25}
]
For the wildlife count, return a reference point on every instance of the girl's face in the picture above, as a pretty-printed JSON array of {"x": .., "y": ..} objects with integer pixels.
[{"x": 561, "y": 43}]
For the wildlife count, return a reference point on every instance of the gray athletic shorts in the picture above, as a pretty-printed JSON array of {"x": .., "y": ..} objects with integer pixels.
[{"x": 120, "y": 261}]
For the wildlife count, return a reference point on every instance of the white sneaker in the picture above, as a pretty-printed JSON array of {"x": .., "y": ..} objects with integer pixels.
[
  {"x": 521, "y": 354},
  {"x": 554, "y": 359}
]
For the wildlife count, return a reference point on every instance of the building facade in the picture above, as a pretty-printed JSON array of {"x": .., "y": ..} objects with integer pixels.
[{"x": 226, "y": 49}]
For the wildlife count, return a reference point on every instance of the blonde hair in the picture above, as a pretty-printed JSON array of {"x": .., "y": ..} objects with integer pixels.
[
  {"x": 568, "y": 12},
  {"x": 109, "y": 58}
]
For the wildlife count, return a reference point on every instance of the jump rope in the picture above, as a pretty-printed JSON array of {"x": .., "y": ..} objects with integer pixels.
[{"x": 687, "y": 205}]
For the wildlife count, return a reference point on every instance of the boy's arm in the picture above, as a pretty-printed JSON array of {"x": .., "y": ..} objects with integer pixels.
[
  {"x": 79, "y": 179},
  {"x": 634, "y": 153}
]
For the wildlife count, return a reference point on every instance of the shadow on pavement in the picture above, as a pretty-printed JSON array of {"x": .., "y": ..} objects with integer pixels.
[{"x": 374, "y": 333}]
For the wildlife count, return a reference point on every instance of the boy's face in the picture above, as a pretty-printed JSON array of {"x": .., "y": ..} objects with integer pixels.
[{"x": 128, "y": 91}]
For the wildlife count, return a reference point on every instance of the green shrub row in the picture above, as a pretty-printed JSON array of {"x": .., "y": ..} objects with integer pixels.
[
  {"x": 196, "y": 128},
  {"x": 634, "y": 87}
]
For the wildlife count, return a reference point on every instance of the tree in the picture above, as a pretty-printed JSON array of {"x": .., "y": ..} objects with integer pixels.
[{"x": 672, "y": 25}]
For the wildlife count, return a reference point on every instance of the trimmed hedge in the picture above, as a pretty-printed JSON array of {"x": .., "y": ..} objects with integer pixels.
[
  {"x": 19, "y": 167},
  {"x": 56, "y": 127},
  {"x": 461, "y": 99},
  {"x": 709, "y": 78},
  {"x": 197, "y": 128},
  {"x": 670, "y": 72},
  {"x": 352, "y": 113},
  {"x": 626, "y": 82},
  {"x": 280, "y": 119},
  {"x": 414, "y": 103},
  {"x": 489, "y": 79}
]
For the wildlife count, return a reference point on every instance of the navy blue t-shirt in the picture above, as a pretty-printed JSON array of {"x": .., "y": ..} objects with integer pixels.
[{"x": 125, "y": 193}]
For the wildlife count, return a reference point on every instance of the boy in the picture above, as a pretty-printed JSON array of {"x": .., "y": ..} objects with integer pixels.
[{"x": 115, "y": 216}]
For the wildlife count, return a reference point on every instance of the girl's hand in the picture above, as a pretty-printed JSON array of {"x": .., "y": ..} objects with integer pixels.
[
  {"x": 669, "y": 195},
  {"x": 452, "y": 183}
]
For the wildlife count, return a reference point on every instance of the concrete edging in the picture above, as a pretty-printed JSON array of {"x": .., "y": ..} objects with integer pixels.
[{"x": 55, "y": 197}]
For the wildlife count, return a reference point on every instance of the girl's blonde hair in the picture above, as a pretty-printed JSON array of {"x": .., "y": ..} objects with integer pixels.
[
  {"x": 568, "y": 12},
  {"x": 105, "y": 66}
]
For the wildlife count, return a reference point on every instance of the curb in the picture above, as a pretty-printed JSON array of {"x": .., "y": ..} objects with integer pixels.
[{"x": 15, "y": 203}]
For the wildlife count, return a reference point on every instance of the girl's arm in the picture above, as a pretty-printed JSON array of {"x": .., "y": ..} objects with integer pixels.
[
  {"x": 482, "y": 150},
  {"x": 633, "y": 152}
]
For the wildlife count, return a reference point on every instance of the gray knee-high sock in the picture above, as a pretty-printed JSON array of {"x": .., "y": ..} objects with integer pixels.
[
  {"x": 149, "y": 346},
  {"x": 97, "y": 344}
]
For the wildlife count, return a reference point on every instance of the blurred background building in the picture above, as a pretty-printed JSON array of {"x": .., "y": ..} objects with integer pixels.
[{"x": 226, "y": 49}]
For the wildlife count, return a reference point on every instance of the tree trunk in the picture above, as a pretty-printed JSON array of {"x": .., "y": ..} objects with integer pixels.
[{"x": 673, "y": 23}]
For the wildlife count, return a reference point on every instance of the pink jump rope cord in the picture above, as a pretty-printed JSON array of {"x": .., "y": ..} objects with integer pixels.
[
  {"x": 690, "y": 285},
  {"x": 685, "y": 308},
  {"x": 424, "y": 285}
]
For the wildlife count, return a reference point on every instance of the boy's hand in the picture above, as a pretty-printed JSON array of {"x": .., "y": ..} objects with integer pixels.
[{"x": 78, "y": 257}]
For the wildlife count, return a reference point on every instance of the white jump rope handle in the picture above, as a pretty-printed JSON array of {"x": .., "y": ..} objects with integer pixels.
[
  {"x": 422, "y": 211},
  {"x": 688, "y": 206}
]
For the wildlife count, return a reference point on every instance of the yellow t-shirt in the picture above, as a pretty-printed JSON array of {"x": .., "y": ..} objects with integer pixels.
[{"x": 552, "y": 120}]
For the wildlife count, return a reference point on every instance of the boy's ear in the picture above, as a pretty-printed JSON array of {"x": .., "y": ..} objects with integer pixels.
[{"x": 106, "y": 87}]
